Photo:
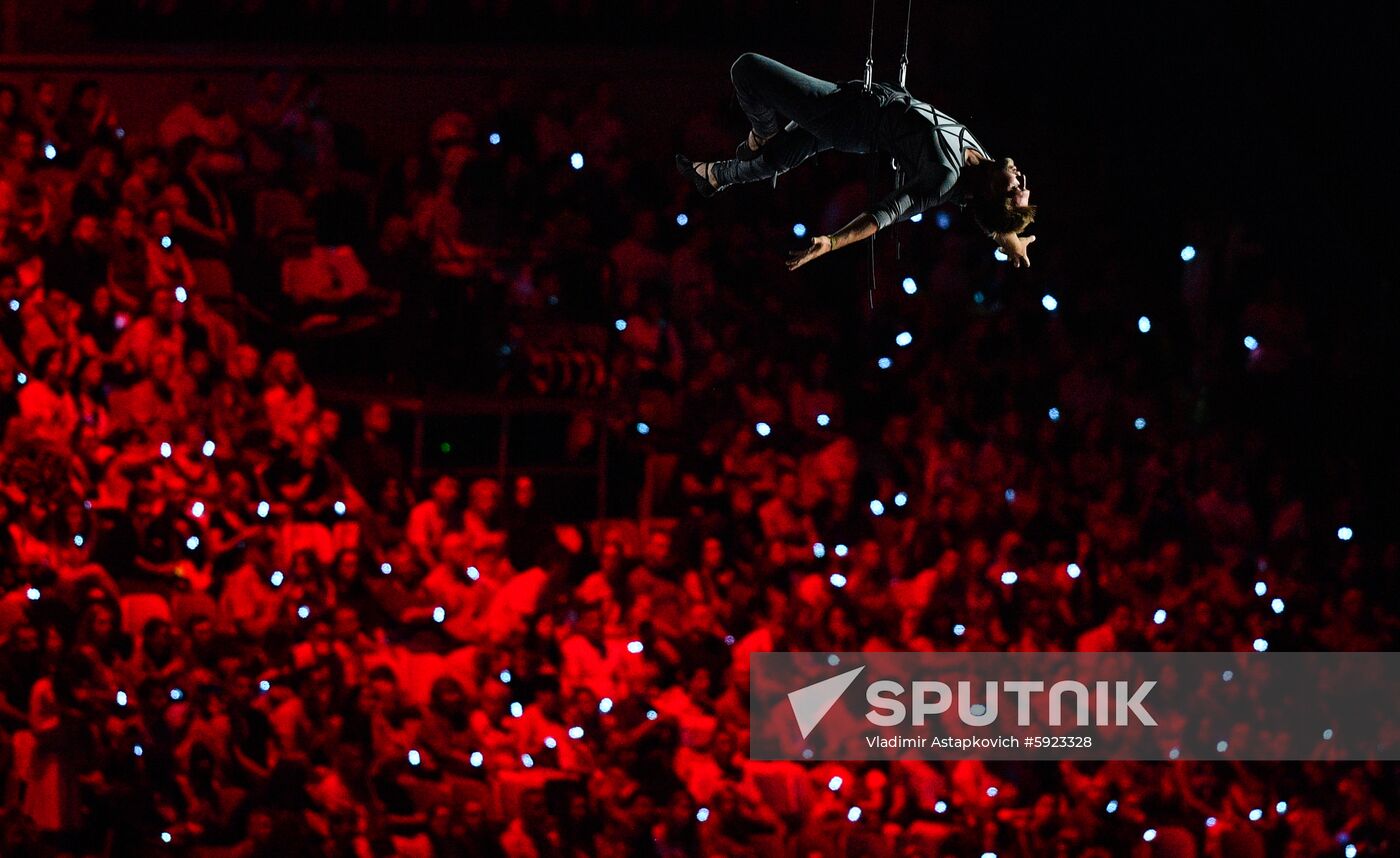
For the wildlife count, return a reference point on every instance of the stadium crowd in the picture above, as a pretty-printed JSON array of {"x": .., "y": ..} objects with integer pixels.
[{"x": 236, "y": 623}]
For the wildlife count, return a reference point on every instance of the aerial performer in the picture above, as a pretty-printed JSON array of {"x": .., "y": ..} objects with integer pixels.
[{"x": 793, "y": 116}]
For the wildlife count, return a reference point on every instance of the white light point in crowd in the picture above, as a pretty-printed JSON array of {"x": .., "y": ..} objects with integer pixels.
[
  {"x": 1149, "y": 835},
  {"x": 386, "y": 568},
  {"x": 208, "y": 448},
  {"x": 1281, "y": 808},
  {"x": 276, "y": 578},
  {"x": 763, "y": 429},
  {"x": 181, "y": 295},
  {"x": 910, "y": 287},
  {"x": 1276, "y": 606},
  {"x": 473, "y": 573},
  {"x": 304, "y": 612},
  {"x": 1112, "y": 806},
  {"x": 1260, "y": 588},
  {"x": 884, "y": 363},
  {"x": 901, "y": 498},
  {"x": 1344, "y": 533},
  {"x": 414, "y": 758},
  {"x": 575, "y": 732},
  {"x": 576, "y": 160},
  {"x": 1140, "y": 424},
  {"x": 605, "y": 705},
  {"x": 264, "y": 508},
  {"x": 823, "y": 419},
  {"x": 959, "y": 629},
  {"x": 652, "y": 715},
  {"x": 340, "y": 507},
  {"x": 940, "y": 806},
  {"x": 1159, "y": 617},
  {"x": 835, "y": 783},
  {"x": 1256, "y": 814},
  {"x": 853, "y": 814},
  {"x": 999, "y": 255},
  {"x": 494, "y": 139},
  {"x": 903, "y": 339},
  {"x": 527, "y": 761},
  {"x": 1261, "y": 645},
  {"x": 1188, "y": 253},
  {"x": 192, "y": 543},
  {"x": 516, "y": 710},
  {"x": 197, "y": 509},
  {"x": 799, "y": 229},
  {"x": 838, "y": 580},
  {"x": 702, "y": 814},
  {"x": 682, "y": 219},
  {"x": 1073, "y": 570},
  {"x": 477, "y": 759},
  {"x": 165, "y": 450},
  {"x": 643, "y": 429},
  {"x": 32, "y": 594},
  {"x": 877, "y": 507},
  {"x": 841, "y": 550},
  {"x": 1054, "y": 415},
  {"x": 439, "y": 614},
  {"x": 1251, "y": 343},
  {"x": 506, "y": 676},
  {"x": 1009, "y": 577},
  {"x": 1049, "y": 303},
  {"x": 818, "y": 550},
  {"x": 550, "y": 742},
  {"x": 635, "y": 647},
  {"x": 621, "y": 325},
  {"x": 992, "y": 792},
  {"x": 1144, "y": 324}
]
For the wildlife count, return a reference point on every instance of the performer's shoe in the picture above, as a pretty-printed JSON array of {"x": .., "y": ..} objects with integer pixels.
[
  {"x": 745, "y": 153},
  {"x": 701, "y": 183}
]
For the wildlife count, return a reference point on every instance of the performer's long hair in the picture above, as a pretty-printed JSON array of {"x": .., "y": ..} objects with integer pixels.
[{"x": 996, "y": 211}]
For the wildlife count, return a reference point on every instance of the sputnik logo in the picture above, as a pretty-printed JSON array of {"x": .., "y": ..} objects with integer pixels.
[{"x": 811, "y": 703}]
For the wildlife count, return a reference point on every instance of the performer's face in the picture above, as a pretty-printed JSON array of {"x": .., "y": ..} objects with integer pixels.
[{"x": 1009, "y": 179}]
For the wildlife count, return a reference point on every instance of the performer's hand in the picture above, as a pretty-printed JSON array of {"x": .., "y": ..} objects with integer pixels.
[
  {"x": 819, "y": 246},
  {"x": 1014, "y": 246}
]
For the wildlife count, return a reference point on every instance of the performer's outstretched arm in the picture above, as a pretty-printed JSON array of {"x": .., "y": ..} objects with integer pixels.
[{"x": 859, "y": 229}]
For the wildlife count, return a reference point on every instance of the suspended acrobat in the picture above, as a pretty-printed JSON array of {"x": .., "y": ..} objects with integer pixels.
[{"x": 794, "y": 116}]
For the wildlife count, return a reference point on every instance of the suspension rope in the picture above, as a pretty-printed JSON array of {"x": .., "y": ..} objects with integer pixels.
[
  {"x": 904, "y": 59},
  {"x": 870, "y": 51}
]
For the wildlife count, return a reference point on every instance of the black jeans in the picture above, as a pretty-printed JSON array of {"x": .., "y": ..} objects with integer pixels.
[{"x": 818, "y": 115}]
